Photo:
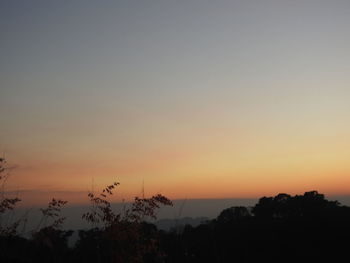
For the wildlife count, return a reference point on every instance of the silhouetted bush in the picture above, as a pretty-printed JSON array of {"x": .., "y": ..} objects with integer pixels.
[{"x": 7, "y": 205}]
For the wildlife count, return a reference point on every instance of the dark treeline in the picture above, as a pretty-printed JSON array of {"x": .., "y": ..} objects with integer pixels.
[{"x": 283, "y": 228}]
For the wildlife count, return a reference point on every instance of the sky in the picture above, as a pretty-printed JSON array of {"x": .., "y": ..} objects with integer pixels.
[{"x": 190, "y": 99}]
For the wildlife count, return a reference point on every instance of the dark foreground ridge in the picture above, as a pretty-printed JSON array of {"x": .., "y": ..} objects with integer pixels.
[{"x": 283, "y": 228}]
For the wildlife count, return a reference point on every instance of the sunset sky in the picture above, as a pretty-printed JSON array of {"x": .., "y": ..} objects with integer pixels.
[{"x": 193, "y": 99}]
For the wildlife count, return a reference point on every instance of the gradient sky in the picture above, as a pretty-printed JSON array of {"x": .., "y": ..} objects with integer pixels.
[{"x": 198, "y": 99}]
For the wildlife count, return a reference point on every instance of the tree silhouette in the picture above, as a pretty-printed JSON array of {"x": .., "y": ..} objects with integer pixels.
[
  {"x": 311, "y": 204},
  {"x": 122, "y": 237},
  {"x": 7, "y": 204},
  {"x": 281, "y": 228},
  {"x": 233, "y": 213}
]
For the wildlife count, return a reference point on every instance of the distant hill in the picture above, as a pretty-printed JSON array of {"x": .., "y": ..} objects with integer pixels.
[
  {"x": 185, "y": 208},
  {"x": 168, "y": 224}
]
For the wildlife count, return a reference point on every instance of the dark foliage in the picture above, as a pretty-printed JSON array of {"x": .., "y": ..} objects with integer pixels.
[
  {"x": 121, "y": 237},
  {"x": 7, "y": 204},
  {"x": 282, "y": 228}
]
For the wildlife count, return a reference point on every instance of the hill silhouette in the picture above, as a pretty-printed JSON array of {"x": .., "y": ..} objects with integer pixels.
[{"x": 282, "y": 228}]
